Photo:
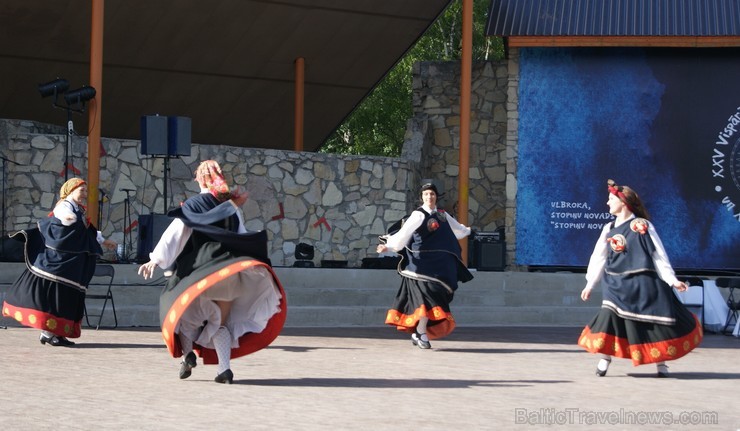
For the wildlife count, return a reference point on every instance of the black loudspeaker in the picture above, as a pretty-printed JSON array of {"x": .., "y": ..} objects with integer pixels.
[
  {"x": 487, "y": 252},
  {"x": 154, "y": 135},
  {"x": 151, "y": 228},
  {"x": 385, "y": 262},
  {"x": 11, "y": 250},
  {"x": 179, "y": 135}
]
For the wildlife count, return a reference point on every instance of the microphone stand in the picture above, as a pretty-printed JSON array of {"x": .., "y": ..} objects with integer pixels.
[
  {"x": 101, "y": 200},
  {"x": 126, "y": 223},
  {"x": 68, "y": 144},
  {"x": 3, "y": 159}
]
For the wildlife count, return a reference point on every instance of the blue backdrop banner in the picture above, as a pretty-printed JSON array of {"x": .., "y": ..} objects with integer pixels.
[{"x": 665, "y": 122}]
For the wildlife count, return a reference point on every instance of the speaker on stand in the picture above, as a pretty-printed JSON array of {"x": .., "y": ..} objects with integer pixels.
[
  {"x": 165, "y": 137},
  {"x": 179, "y": 131},
  {"x": 154, "y": 135}
]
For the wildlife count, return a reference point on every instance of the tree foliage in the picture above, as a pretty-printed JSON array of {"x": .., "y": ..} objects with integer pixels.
[{"x": 378, "y": 124}]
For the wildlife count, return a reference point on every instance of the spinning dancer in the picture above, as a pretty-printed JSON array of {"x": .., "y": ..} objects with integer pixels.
[
  {"x": 640, "y": 317},
  {"x": 223, "y": 299},
  {"x": 430, "y": 269},
  {"x": 60, "y": 256}
]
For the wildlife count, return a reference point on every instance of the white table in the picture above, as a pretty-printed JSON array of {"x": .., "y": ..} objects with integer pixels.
[{"x": 715, "y": 307}]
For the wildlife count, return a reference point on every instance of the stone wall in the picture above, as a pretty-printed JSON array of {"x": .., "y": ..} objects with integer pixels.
[
  {"x": 512, "y": 155},
  {"x": 436, "y": 101},
  {"x": 338, "y": 204},
  {"x": 436, "y": 104}
]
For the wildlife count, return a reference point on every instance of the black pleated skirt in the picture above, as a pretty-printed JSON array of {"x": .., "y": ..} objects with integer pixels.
[
  {"x": 417, "y": 298},
  {"x": 642, "y": 342}
]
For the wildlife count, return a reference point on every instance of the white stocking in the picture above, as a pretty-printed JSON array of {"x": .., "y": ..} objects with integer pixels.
[
  {"x": 222, "y": 344},
  {"x": 186, "y": 344},
  {"x": 421, "y": 328}
]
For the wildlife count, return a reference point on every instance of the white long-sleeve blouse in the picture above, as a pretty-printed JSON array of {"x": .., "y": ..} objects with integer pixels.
[{"x": 400, "y": 239}]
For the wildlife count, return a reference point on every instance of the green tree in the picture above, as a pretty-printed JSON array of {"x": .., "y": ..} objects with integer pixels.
[{"x": 378, "y": 124}]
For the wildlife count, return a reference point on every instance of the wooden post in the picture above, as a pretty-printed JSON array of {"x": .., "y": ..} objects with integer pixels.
[
  {"x": 94, "y": 114},
  {"x": 466, "y": 71}
]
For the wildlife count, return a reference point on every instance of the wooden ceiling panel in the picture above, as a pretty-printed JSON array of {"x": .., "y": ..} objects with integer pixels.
[{"x": 227, "y": 64}]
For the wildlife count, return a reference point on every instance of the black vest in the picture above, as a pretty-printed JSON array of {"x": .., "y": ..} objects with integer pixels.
[{"x": 435, "y": 251}]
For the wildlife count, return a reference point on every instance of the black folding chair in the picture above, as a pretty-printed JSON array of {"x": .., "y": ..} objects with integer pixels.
[
  {"x": 102, "y": 271},
  {"x": 730, "y": 283}
]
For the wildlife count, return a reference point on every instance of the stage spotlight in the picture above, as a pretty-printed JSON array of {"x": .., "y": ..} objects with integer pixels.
[
  {"x": 75, "y": 103},
  {"x": 57, "y": 86},
  {"x": 304, "y": 251},
  {"x": 80, "y": 95}
]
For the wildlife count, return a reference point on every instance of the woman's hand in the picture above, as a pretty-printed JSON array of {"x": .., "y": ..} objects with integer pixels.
[
  {"x": 585, "y": 293},
  {"x": 680, "y": 286},
  {"x": 147, "y": 270},
  {"x": 382, "y": 248}
]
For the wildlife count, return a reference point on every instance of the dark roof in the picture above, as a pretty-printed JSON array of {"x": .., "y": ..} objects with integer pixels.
[
  {"x": 227, "y": 64},
  {"x": 614, "y": 18}
]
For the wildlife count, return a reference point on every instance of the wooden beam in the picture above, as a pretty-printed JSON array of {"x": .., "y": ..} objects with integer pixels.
[{"x": 618, "y": 41}]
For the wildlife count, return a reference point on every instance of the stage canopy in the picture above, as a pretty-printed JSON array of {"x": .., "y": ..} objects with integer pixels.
[{"x": 227, "y": 64}]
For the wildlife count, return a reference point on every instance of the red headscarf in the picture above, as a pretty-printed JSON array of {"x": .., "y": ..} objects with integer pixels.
[
  {"x": 617, "y": 191},
  {"x": 209, "y": 176}
]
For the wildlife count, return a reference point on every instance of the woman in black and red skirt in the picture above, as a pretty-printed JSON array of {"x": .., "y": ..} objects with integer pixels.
[
  {"x": 430, "y": 269},
  {"x": 222, "y": 300},
  {"x": 60, "y": 256},
  {"x": 640, "y": 317}
]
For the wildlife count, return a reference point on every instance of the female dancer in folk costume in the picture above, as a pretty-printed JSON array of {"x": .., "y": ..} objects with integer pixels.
[
  {"x": 60, "y": 256},
  {"x": 223, "y": 299},
  {"x": 430, "y": 269},
  {"x": 640, "y": 317}
]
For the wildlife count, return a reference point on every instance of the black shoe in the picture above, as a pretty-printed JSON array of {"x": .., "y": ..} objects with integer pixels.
[
  {"x": 187, "y": 365},
  {"x": 225, "y": 377},
  {"x": 416, "y": 340},
  {"x": 55, "y": 341},
  {"x": 62, "y": 341}
]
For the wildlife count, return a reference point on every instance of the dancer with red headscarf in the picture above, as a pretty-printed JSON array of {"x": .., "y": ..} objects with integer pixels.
[
  {"x": 60, "y": 256},
  {"x": 223, "y": 300},
  {"x": 640, "y": 317}
]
